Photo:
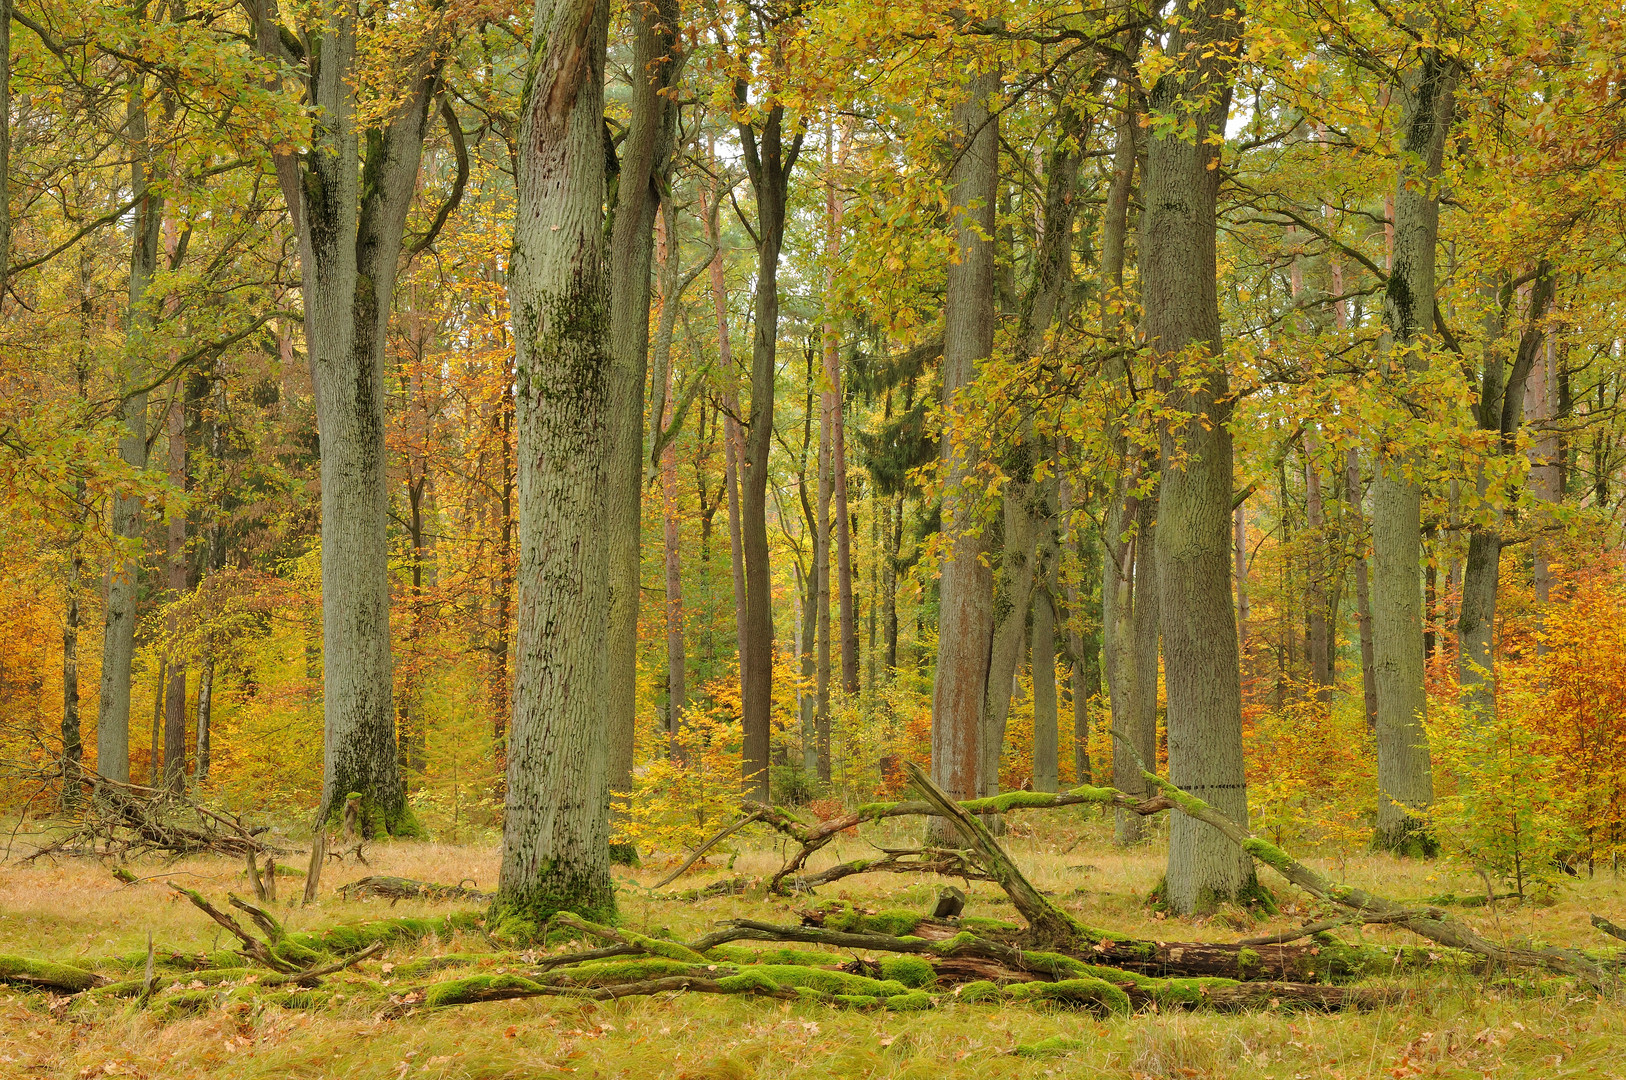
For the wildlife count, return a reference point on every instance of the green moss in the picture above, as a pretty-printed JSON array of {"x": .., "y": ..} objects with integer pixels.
[
  {"x": 1056, "y": 1044},
  {"x": 981, "y": 991},
  {"x": 734, "y": 954},
  {"x": 225, "y": 958},
  {"x": 1090, "y": 992},
  {"x": 828, "y": 982},
  {"x": 911, "y": 971},
  {"x": 474, "y": 988},
  {"x": 296, "y": 954},
  {"x": 1010, "y": 800},
  {"x": 897, "y": 923},
  {"x": 608, "y": 971},
  {"x": 1247, "y": 960},
  {"x": 1411, "y": 839},
  {"x": 430, "y": 964},
  {"x": 185, "y": 1003},
  {"x": 354, "y": 937},
  {"x": 22, "y": 971},
  {"x": 1268, "y": 853},
  {"x": 989, "y": 927},
  {"x": 750, "y": 980},
  {"x": 914, "y": 1001},
  {"x": 1255, "y": 895},
  {"x": 873, "y": 811},
  {"x": 624, "y": 855}
]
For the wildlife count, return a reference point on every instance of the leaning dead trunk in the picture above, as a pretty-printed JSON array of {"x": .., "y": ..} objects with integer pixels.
[
  {"x": 1182, "y": 327},
  {"x": 556, "y": 852}
]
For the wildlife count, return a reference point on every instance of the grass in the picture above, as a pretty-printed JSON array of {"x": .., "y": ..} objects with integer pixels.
[{"x": 1444, "y": 1026}]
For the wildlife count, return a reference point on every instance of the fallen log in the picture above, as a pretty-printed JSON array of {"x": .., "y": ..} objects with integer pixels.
[{"x": 395, "y": 889}]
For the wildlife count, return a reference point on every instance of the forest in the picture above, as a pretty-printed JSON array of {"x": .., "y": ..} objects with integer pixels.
[{"x": 760, "y": 538}]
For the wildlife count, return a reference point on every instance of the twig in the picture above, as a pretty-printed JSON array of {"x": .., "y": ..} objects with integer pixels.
[{"x": 755, "y": 815}]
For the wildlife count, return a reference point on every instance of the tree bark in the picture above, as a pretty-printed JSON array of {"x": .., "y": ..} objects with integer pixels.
[
  {"x": 1045, "y": 735},
  {"x": 118, "y": 635},
  {"x": 821, "y": 573},
  {"x": 965, "y": 607},
  {"x": 349, "y": 195},
  {"x": 1363, "y": 591},
  {"x": 1182, "y": 328},
  {"x": 645, "y": 168},
  {"x": 555, "y": 852},
  {"x": 1318, "y": 631},
  {"x": 1501, "y": 410},
  {"x": 768, "y": 163},
  {"x": 677, "y": 695},
  {"x": 175, "y": 557},
  {"x": 1405, "y": 782}
]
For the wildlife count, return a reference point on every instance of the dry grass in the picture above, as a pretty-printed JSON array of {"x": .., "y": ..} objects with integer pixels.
[{"x": 78, "y": 911}]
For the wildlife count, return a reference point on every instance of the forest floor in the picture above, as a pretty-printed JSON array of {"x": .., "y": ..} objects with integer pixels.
[{"x": 1440, "y": 1025}]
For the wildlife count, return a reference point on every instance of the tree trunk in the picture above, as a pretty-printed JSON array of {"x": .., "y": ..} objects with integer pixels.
[
  {"x": 206, "y": 697},
  {"x": 1045, "y": 735},
  {"x": 349, "y": 195},
  {"x": 1084, "y": 631},
  {"x": 965, "y": 607},
  {"x": 677, "y": 694},
  {"x": 1501, "y": 410},
  {"x": 1138, "y": 614},
  {"x": 1239, "y": 525},
  {"x": 1182, "y": 327},
  {"x": 175, "y": 557},
  {"x": 768, "y": 163},
  {"x": 1363, "y": 592},
  {"x": 1318, "y": 632},
  {"x": 556, "y": 852},
  {"x": 821, "y": 574},
  {"x": 834, "y": 407},
  {"x": 645, "y": 167},
  {"x": 1405, "y": 782},
  {"x": 72, "y": 745}
]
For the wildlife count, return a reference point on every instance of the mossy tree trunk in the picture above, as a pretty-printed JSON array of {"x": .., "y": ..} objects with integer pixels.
[
  {"x": 556, "y": 823},
  {"x": 349, "y": 194},
  {"x": 1182, "y": 327},
  {"x": 1405, "y": 783}
]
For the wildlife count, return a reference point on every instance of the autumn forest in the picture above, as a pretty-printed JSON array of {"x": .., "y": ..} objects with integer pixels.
[{"x": 1096, "y": 531}]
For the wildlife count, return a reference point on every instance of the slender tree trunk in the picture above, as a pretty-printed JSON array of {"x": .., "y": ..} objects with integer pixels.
[
  {"x": 1363, "y": 591},
  {"x": 1178, "y": 259},
  {"x": 206, "y": 698},
  {"x": 5, "y": 144},
  {"x": 821, "y": 569},
  {"x": 118, "y": 636},
  {"x": 155, "y": 752},
  {"x": 1145, "y": 623},
  {"x": 1318, "y": 632},
  {"x": 175, "y": 557},
  {"x": 556, "y": 853},
  {"x": 889, "y": 581},
  {"x": 1045, "y": 736},
  {"x": 72, "y": 746},
  {"x": 1239, "y": 525},
  {"x": 1501, "y": 409},
  {"x": 965, "y": 607},
  {"x": 1405, "y": 780},
  {"x": 833, "y": 410},
  {"x": 677, "y": 695},
  {"x": 646, "y": 165},
  {"x": 768, "y": 163},
  {"x": 1084, "y": 637}
]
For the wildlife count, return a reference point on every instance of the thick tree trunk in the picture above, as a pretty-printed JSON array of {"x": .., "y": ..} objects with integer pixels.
[
  {"x": 1178, "y": 293},
  {"x": 349, "y": 196},
  {"x": 768, "y": 164},
  {"x": 556, "y": 825},
  {"x": 646, "y": 164},
  {"x": 965, "y": 607},
  {"x": 1405, "y": 781},
  {"x": 118, "y": 635}
]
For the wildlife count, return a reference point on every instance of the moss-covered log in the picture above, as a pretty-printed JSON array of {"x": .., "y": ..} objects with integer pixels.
[{"x": 44, "y": 975}]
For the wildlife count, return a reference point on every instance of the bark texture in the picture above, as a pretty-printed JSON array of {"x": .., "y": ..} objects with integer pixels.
[
  {"x": 965, "y": 591},
  {"x": 349, "y": 194},
  {"x": 645, "y": 166},
  {"x": 1182, "y": 328},
  {"x": 556, "y": 822},
  {"x": 768, "y": 163},
  {"x": 1405, "y": 782}
]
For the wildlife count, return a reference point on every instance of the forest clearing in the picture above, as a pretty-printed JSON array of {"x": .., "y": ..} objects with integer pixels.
[{"x": 748, "y": 538}]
